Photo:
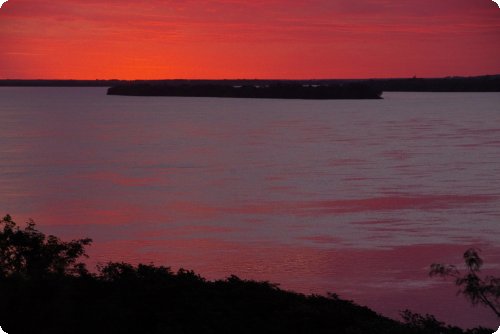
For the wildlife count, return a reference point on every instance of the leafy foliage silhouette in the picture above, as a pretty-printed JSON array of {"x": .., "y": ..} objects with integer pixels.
[
  {"x": 429, "y": 324},
  {"x": 45, "y": 288},
  {"x": 29, "y": 253},
  {"x": 484, "y": 291}
]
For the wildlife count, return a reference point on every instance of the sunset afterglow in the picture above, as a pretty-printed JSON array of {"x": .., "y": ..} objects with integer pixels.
[{"x": 92, "y": 39}]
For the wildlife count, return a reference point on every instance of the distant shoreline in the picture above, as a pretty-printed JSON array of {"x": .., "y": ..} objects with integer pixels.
[{"x": 486, "y": 83}]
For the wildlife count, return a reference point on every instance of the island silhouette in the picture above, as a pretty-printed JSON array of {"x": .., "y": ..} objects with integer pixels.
[{"x": 271, "y": 90}]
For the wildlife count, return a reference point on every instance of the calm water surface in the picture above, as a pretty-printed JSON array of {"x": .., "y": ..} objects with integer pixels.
[{"x": 353, "y": 197}]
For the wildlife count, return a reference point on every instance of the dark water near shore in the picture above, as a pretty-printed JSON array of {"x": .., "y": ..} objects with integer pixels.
[{"x": 353, "y": 197}]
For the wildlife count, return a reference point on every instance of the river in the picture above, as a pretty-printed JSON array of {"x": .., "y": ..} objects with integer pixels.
[{"x": 356, "y": 197}]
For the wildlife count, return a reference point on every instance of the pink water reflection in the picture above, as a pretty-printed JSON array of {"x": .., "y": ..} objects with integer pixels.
[
  {"x": 353, "y": 197},
  {"x": 389, "y": 280},
  {"x": 430, "y": 202}
]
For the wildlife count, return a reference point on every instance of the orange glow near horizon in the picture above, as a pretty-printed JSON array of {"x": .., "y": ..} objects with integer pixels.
[{"x": 92, "y": 39}]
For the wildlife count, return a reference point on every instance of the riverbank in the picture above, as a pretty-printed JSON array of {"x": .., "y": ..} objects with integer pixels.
[{"x": 46, "y": 289}]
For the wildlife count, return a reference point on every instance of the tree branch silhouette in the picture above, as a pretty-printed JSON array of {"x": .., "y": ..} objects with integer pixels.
[{"x": 477, "y": 290}]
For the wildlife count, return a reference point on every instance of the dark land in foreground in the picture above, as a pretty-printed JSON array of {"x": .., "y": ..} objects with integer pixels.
[
  {"x": 44, "y": 288},
  {"x": 287, "y": 89}
]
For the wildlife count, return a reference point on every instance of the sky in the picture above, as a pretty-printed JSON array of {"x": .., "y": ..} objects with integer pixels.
[{"x": 274, "y": 39}]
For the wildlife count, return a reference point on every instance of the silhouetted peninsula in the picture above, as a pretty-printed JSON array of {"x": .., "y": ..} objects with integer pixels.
[
  {"x": 271, "y": 91},
  {"x": 485, "y": 83}
]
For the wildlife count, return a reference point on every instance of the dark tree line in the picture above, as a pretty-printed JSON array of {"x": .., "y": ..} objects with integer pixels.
[
  {"x": 46, "y": 288},
  {"x": 485, "y": 83}
]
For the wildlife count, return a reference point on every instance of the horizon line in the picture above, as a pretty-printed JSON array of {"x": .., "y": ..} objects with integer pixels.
[{"x": 254, "y": 79}]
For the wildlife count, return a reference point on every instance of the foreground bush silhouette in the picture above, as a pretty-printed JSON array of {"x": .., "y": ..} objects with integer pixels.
[
  {"x": 28, "y": 253},
  {"x": 483, "y": 291},
  {"x": 45, "y": 289}
]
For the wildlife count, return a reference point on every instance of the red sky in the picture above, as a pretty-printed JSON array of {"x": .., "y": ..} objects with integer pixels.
[{"x": 153, "y": 39}]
